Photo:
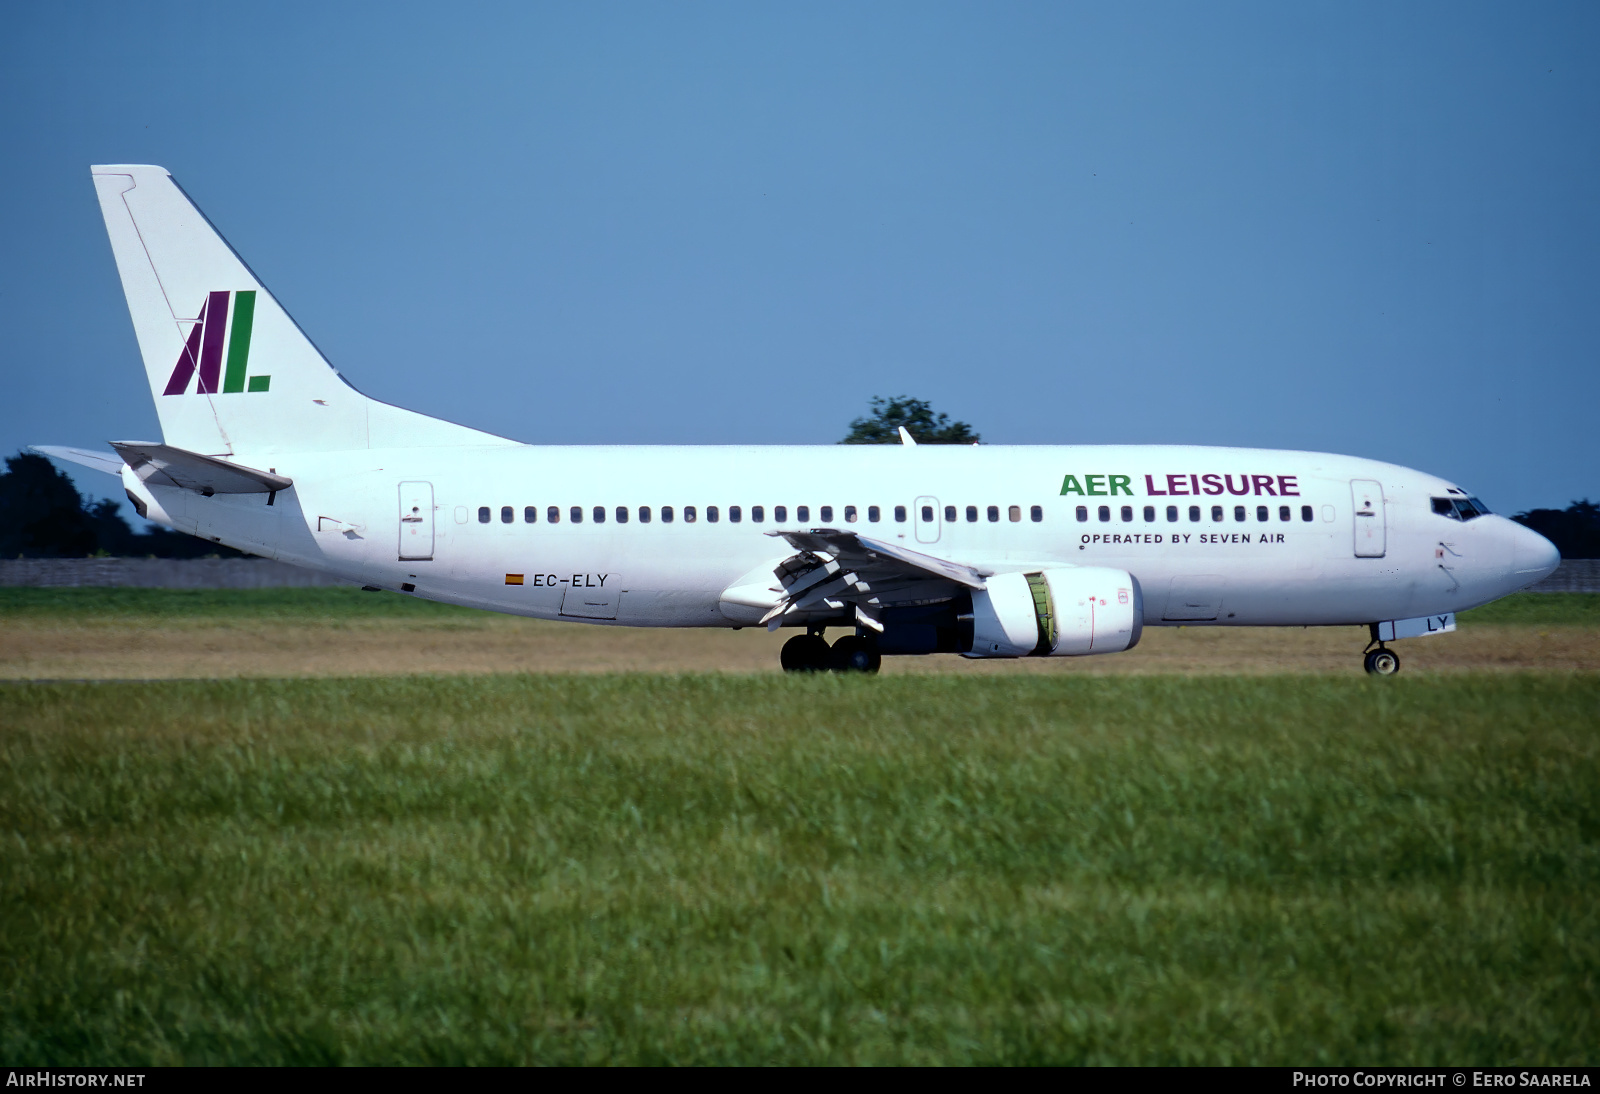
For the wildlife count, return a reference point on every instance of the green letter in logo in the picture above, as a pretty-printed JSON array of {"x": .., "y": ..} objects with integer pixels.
[
  {"x": 1069, "y": 485},
  {"x": 244, "y": 315}
]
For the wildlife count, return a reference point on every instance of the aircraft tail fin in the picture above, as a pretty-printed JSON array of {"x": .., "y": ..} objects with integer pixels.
[{"x": 231, "y": 373}]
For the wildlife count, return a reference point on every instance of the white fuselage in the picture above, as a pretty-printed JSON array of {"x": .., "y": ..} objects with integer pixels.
[{"x": 1221, "y": 536}]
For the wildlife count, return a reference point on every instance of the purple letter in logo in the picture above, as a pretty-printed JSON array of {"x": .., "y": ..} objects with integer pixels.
[
  {"x": 187, "y": 359},
  {"x": 205, "y": 347}
]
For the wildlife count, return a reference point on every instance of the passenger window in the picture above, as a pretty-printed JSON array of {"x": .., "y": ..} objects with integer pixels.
[
  {"x": 972, "y": 514},
  {"x": 1305, "y": 513},
  {"x": 949, "y": 513},
  {"x": 666, "y": 514},
  {"x": 1014, "y": 513},
  {"x": 802, "y": 513},
  {"x": 1127, "y": 514},
  {"x": 1194, "y": 514},
  {"x": 508, "y": 515},
  {"x": 1149, "y": 514},
  {"x": 994, "y": 514},
  {"x": 874, "y": 514},
  {"x": 530, "y": 514},
  {"x": 1216, "y": 513},
  {"x": 1172, "y": 514},
  {"x": 1262, "y": 515},
  {"x": 576, "y": 514},
  {"x": 780, "y": 513},
  {"x": 553, "y": 514},
  {"x": 622, "y": 514},
  {"x": 1036, "y": 513},
  {"x": 599, "y": 514},
  {"x": 483, "y": 514},
  {"x": 1082, "y": 513},
  {"x": 1238, "y": 512},
  {"x": 735, "y": 514},
  {"x": 688, "y": 514},
  {"x": 712, "y": 514},
  {"x": 900, "y": 513},
  {"x": 1283, "y": 512},
  {"x": 644, "y": 514},
  {"x": 826, "y": 513},
  {"x": 850, "y": 514},
  {"x": 758, "y": 514},
  {"x": 1105, "y": 514}
]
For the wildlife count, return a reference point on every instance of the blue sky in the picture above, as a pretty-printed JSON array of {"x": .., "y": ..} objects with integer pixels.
[{"x": 1364, "y": 228}]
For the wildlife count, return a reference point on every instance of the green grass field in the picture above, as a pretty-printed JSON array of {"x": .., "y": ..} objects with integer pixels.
[{"x": 745, "y": 869}]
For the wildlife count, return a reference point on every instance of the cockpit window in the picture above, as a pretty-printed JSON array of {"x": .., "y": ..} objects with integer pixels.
[{"x": 1460, "y": 508}]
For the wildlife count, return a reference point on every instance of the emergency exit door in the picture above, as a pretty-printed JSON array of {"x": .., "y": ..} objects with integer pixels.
[
  {"x": 416, "y": 521},
  {"x": 1371, "y": 532},
  {"x": 927, "y": 520}
]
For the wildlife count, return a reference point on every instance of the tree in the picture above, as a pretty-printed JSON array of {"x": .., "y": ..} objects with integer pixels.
[
  {"x": 41, "y": 513},
  {"x": 882, "y": 426},
  {"x": 43, "y": 516},
  {"x": 1574, "y": 530}
]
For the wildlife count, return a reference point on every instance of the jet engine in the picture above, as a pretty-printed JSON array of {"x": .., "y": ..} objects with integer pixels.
[{"x": 1057, "y": 613}]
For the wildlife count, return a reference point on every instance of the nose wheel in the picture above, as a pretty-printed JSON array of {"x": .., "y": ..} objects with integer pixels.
[{"x": 1381, "y": 662}]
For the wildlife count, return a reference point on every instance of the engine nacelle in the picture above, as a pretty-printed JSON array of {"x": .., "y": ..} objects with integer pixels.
[{"x": 1057, "y": 613}]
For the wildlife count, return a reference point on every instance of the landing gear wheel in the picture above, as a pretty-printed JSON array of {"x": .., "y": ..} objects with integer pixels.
[
  {"x": 1382, "y": 662},
  {"x": 853, "y": 654},
  {"x": 804, "y": 653}
]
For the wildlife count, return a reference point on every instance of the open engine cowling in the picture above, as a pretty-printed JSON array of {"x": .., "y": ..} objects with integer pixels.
[{"x": 1070, "y": 612}]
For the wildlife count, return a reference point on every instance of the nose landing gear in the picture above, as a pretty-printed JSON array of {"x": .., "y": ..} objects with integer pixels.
[
  {"x": 1378, "y": 659},
  {"x": 810, "y": 652},
  {"x": 1381, "y": 662}
]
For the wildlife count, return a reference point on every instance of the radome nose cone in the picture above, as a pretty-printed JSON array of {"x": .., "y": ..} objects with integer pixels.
[{"x": 1533, "y": 557}]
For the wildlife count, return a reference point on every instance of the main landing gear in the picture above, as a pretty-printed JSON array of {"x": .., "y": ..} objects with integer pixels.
[{"x": 810, "y": 652}]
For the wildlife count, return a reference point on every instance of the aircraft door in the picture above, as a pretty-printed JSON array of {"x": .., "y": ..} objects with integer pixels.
[
  {"x": 1370, "y": 525},
  {"x": 416, "y": 521},
  {"x": 927, "y": 520}
]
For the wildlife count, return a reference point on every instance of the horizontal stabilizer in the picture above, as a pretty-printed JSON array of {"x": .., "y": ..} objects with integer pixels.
[
  {"x": 164, "y": 465},
  {"x": 83, "y": 457}
]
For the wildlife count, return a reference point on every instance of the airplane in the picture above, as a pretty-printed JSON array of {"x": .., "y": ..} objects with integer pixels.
[{"x": 986, "y": 551}]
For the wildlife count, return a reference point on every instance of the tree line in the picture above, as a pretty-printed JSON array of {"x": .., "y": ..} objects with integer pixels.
[
  {"x": 1574, "y": 530},
  {"x": 42, "y": 515}
]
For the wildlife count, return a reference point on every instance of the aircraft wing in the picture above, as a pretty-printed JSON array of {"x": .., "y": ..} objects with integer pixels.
[
  {"x": 164, "y": 465},
  {"x": 834, "y": 569}
]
